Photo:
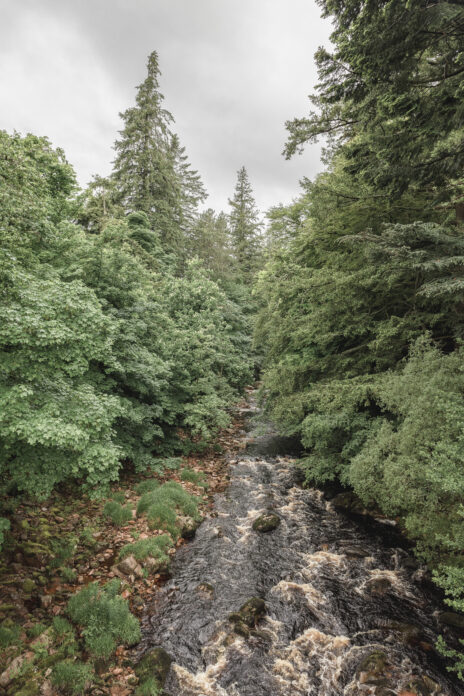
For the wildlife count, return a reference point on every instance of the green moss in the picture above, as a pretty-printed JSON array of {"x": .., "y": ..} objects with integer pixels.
[
  {"x": 266, "y": 523},
  {"x": 155, "y": 666}
]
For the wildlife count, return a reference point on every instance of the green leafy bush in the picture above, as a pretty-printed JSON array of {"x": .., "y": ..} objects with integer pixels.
[
  {"x": 155, "y": 547},
  {"x": 104, "y": 617},
  {"x": 71, "y": 676},
  {"x": 117, "y": 513}
]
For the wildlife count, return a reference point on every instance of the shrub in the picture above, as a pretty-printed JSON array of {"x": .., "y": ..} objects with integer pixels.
[
  {"x": 117, "y": 513},
  {"x": 105, "y": 618},
  {"x": 71, "y": 677},
  {"x": 155, "y": 547}
]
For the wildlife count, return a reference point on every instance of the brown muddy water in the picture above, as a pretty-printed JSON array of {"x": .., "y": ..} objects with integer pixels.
[{"x": 346, "y": 610}]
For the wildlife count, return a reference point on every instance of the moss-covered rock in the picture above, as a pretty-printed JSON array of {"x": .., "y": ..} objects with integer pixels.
[
  {"x": 266, "y": 522},
  {"x": 452, "y": 619},
  {"x": 348, "y": 502},
  {"x": 155, "y": 664},
  {"x": 28, "y": 586},
  {"x": 247, "y": 616},
  {"x": 372, "y": 667}
]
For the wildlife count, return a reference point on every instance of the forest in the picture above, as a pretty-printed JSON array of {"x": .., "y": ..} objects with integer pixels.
[{"x": 132, "y": 317}]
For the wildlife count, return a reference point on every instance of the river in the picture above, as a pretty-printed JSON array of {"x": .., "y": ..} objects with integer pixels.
[{"x": 329, "y": 605}]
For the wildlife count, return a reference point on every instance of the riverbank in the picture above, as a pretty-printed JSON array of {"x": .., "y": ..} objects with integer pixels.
[{"x": 60, "y": 546}]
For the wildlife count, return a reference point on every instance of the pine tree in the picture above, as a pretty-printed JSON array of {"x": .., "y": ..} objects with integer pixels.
[
  {"x": 245, "y": 226},
  {"x": 144, "y": 170}
]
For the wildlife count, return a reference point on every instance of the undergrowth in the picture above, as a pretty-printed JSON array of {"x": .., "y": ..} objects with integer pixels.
[{"x": 104, "y": 617}]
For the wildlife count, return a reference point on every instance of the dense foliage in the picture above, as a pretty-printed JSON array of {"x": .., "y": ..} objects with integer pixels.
[
  {"x": 362, "y": 321},
  {"x": 115, "y": 350}
]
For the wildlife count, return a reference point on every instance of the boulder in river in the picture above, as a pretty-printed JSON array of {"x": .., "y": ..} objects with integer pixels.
[
  {"x": 155, "y": 664},
  {"x": 248, "y": 615},
  {"x": 452, "y": 619},
  {"x": 266, "y": 522}
]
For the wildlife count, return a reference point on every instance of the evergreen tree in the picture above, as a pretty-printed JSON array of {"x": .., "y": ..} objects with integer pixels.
[
  {"x": 245, "y": 227},
  {"x": 209, "y": 239},
  {"x": 144, "y": 169},
  {"x": 192, "y": 190},
  {"x": 391, "y": 91}
]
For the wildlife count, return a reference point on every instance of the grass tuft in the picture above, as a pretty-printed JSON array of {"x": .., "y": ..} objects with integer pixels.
[
  {"x": 104, "y": 617},
  {"x": 117, "y": 513},
  {"x": 155, "y": 547},
  {"x": 71, "y": 677}
]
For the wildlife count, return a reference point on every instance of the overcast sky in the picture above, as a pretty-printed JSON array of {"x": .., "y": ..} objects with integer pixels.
[{"x": 232, "y": 72}]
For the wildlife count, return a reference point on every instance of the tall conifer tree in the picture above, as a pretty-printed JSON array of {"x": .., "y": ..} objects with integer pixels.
[
  {"x": 245, "y": 226},
  {"x": 151, "y": 172}
]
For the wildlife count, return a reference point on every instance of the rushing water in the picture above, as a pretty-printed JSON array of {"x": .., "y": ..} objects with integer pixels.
[{"x": 344, "y": 611}]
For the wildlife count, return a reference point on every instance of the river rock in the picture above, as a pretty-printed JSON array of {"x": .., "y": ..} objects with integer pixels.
[
  {"x": 450, "y": 618},
  {"x": 372, "y": 668},
  {"x": 248, "y": 615},
  {"x": 188, "y": 527},
  {"x": 378, "y": 587},
  {"x": 129, "y": 566},
  {"x": 154, "y": 664},
  {"x": 266, "y": 522},
  {"x": 348, "y": 502}
]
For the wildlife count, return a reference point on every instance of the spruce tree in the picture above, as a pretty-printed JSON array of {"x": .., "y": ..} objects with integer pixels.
[
  {"x": 245, "y": 226},
  {"x": 192, "y": 190},
  {"x": 144, "y": 170}
]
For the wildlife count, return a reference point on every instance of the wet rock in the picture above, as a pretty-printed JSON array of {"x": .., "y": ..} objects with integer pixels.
[
  {"x": 348, "y": 502},
  {"x": 266, "y": 522},
  {"x": 129, "y": 566},
  {"x": 248, "y": 615},
  {"x": 46, "y": 600},
  {"x": 378, "y": 587},
  {"x": 188, "y": 527},
  {"x": 371, "y": 670},
  {"x": 409, "y": 633},
  {"x": 205, "y": 589},
  {"x": 355, "y": 552},
  {"x": 12, "y": 670},
  {"x": 156, "y": 565},
  {"x": 423, "y": 686},
  {"x": 154, "y": 664},
  {"x": 450, "y": 618}
]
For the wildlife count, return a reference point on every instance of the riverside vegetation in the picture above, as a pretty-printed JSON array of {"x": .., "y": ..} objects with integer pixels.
[{"x": 119, "y": 353}]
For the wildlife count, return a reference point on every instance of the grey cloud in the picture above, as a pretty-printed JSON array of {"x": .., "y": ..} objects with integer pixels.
[{"x": 233, "y": 72}]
